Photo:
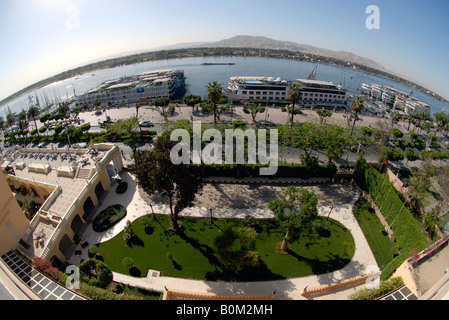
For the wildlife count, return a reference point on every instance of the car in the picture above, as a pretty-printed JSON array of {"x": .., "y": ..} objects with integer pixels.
[
  {"x": 105, "y": 123},
  {"x": 146, "y": 124}
]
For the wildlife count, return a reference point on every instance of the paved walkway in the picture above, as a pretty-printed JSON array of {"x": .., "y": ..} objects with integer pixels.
[{"x": 362, "y": 262}]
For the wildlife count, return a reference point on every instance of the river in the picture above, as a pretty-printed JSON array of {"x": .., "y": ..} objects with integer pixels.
[{"x": 198, "y": 76}]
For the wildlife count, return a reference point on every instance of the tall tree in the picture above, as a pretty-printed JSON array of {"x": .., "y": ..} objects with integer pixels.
[
  {"x": 294, "y": 94},
  {"x": 64, "y": 110},
  {"x": 214, "y": 94},
  {"x": 323, "y": 113},
  {"x": 10, "y": 119},
  {"x": 192, "y": 100},
  {"x": 253, "y": 109},
  {"x": 357, "y": 106},
  {"x": 296, "y": 211},
  {"x": 32, "y": 114},
  {"x": 129, "y": 127},
  {"x": 177, "y": 183},
  {"x": 162, "y": 105}
]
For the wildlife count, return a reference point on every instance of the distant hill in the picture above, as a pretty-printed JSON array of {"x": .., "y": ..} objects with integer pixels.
[{"x": 259, "y": 42}]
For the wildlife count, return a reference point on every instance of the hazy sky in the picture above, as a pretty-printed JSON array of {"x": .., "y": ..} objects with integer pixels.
[{"x": 41, "y": 38}]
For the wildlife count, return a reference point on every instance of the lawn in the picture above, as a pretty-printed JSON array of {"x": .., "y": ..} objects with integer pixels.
[
  {"x": 374, "y": 231},
  {"x": 194, "y": 257}
]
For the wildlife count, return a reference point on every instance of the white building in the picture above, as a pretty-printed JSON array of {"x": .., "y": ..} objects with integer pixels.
[
  {"x": 314, "y": 92},
  {"x": 130, "y": 89}
]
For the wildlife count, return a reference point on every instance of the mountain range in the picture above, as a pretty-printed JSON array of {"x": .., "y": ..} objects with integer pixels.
[{"x": 259, "y": 42}]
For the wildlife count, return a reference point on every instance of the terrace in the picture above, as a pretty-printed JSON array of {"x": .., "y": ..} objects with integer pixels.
[{"x": 61, "y": 180}]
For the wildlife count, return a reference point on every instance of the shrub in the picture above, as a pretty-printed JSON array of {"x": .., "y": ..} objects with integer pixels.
[
  {"x": 393, "y": 154},
  {"x": 122, "y": 187},
  {"x": 108, "y": 217},
  {"x": 95, "y": 273},
  {"x": 46, "y": 268},
  {"x": 397, "y": 133},
  {"x": 372, "y": 294}
]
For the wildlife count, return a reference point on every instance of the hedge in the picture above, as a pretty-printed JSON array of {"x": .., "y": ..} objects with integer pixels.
[
  {"x": 285, "y": 170},
  {"x": 408, "y": 232}
]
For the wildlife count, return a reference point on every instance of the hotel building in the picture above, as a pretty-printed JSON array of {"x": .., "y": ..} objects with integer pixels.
[{"x": 67, "y": 185}]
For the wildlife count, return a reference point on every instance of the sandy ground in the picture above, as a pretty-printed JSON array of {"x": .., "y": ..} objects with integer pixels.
[
  {"x": 272, "y": 114},
  {"x": 250, "y": 196}
]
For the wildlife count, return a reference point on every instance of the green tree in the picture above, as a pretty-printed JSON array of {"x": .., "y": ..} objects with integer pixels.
[
  {"x": 32, "y": 114},
  {"x": 177, "y": 183},
  {"x": 296, "y": 212},
  {"x": 236, "y": 247},
  {"x": 162, "y": 105},
  {"x": 335, "y": 141},
  {"x": 10, "y": 119},
  {"x": 294, "y": 95},
  {"x": 366, "y": 131},
  {"x": 410, "y": 154},
  {"x": 214, "y": 94},
  {"x": 357, "y": 106},
  {"x": 192, "y": 100},
  {"x": 397, "y": 133},
  {"x": 128, "y": 127},
  {"x": 253, "y": 110},
  {"x": 323, "y": 113},
  {"x": 64, "y": 110},
  {"x": 395, "y": 116}
]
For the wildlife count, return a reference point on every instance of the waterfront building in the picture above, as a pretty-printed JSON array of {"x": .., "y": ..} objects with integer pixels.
[
  {"x": 136, "y": 88},
  {"x": 257, "y": 88},
  {"x": 67, "y": 184},
  {"x": 395, "y": 99},
  {"x": 314, "y": 92},
  {"x": 321, "y": 93}
]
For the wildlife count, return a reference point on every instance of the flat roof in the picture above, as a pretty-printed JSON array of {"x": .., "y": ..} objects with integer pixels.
[{"x": 319, "y": 82}]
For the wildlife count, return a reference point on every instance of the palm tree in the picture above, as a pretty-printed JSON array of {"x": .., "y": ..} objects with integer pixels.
[
  {"x": 32, "y": 114},
  {"x": 2, "y": 123},
  {"x": 63, "y": 109},
  {"x": 294, "y": 95},
  {"x": 357, "y": 106},
  {"x": 214, "y": 94},
  {"x": 137, "y": 110},
  {"x": 395, "y": 116},
  {"x": 10, "y": 119}
]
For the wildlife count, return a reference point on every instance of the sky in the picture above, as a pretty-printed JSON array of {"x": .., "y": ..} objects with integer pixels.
[{"x": 41, "y": 38}]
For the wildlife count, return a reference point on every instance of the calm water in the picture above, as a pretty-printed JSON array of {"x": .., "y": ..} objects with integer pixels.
[{"x": 198, "y": 76}]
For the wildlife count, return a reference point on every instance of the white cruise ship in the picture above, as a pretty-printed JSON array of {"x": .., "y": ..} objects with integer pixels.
[
  {"x": 136, "y": 88},
  {"x": 314, "y": 92}
]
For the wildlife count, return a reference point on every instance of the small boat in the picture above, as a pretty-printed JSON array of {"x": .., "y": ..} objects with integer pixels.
[{"x": 218, "y": 64}]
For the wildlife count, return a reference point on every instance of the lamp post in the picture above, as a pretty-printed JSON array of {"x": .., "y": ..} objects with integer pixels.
[
  {"x": 211, "y": 218},
  {"x": 327, "y": 218}
]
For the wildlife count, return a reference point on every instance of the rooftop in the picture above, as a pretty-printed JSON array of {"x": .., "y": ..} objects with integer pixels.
[{"x": 55, "y": 177}]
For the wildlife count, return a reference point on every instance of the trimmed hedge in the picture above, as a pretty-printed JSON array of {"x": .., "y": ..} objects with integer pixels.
[
  {"x": 285, "y": 170},
  {"x": 408, "y": 232},
  {"x": 108, "y": 217}
]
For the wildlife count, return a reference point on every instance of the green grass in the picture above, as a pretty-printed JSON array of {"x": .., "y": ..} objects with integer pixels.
[
  {"x": 429, "y": 197},
  {"x": 194, "y": 256},
  {"x": 374, "y": 231}
]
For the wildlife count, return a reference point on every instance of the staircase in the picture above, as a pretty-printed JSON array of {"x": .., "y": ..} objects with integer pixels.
[{"x": 84, "y": 173}]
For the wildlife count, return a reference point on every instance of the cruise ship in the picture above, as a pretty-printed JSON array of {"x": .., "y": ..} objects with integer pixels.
[
  {"x": 136, "y": 88},
  {"x": 395, "y": 99},
  {"x": 314, "y": 92}
]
